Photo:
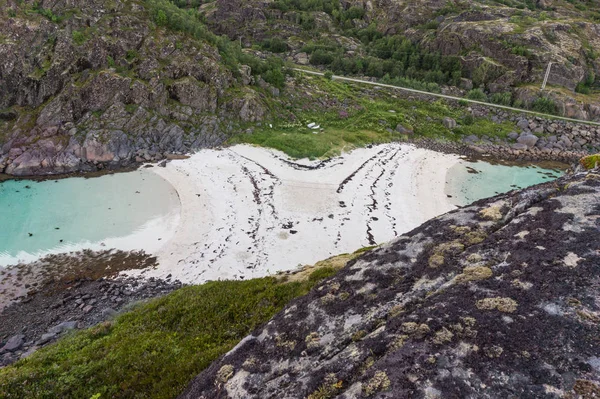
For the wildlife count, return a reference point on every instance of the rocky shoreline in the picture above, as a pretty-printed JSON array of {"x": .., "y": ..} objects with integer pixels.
[
  {"x": 535, "y": 139},
  {"x": 48, "y": 314},
  {"x": 43, "y": 300}
]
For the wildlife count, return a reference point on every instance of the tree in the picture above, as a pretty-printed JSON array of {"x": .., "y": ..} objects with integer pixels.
[{"x": 161, "y": 18}]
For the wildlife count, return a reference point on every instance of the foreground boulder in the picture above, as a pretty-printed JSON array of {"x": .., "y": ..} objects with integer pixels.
[{"x": 499, "y": 299}]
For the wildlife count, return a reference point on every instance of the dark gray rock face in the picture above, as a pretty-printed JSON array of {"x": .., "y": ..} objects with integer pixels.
[
  {"x": 92, "y": 90},
  {"x": 495, "y": 300},
  {"x": 14, "y": 343}
]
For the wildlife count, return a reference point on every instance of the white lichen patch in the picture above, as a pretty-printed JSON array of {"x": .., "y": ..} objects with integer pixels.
[
  {"x": 425, "y": 284},
  {"x": 351, "y": 321},
  {"x": 524, "y": 285},
  {"x": 534, "y": 210},
  {"x": 366, "y": 288},
  {"x": 432, "y": 393},
  {"x": 552, "y": 309},
  {"x": 571, "y": 260},
  {"x": 522, "y": 234},
  {"x": 549, "y": 389},
  {"x": 464, "y": 349},
  {"x": 235, "y": 386}
]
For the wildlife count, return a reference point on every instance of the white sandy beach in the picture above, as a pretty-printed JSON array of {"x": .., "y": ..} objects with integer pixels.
[{"x": 248, "y": 211}]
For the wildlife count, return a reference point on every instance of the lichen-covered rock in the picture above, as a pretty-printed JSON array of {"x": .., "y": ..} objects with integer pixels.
[{"x": 514, "y": 312}]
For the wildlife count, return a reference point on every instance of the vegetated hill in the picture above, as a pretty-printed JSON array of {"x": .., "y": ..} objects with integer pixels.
[
  {"x": 96, "y": 81},
  {"x": 498, "y": 299},
  {"x": 501, "y": 46}
]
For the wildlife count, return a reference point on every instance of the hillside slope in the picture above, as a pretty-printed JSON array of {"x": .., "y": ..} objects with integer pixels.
[
  {"x": 500, "y": 46},
  {"x": 498, "y": 299},
  {"x": 97, "y": 82}
]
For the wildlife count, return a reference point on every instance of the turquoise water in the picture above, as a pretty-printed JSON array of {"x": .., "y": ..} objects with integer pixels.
[
  {"x": 112, "y": 211},
  {"x": 467, "y": 182},
  {"x": 140, "y": 210}
]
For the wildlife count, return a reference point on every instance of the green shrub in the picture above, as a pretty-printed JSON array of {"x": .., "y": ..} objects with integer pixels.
[
  {"x": 132, "y": 55},
  {"x": 591, "y": 161},
  {"x": 518, "y": 104},
  {"x": 502, "y": 98},
  {"x": 477, "y": 94},
  {"x": 544, "y": 105},
  {"x": 161, "y": 18},
  {"x": 78, "y": 37},
  {"x": 328, "y": 75},
  {"x": 321, "y": 57},
  {"x": 49, "y": 14},
  {"x": 275, "y": 45},
  {"x": 582, "y": 88}
]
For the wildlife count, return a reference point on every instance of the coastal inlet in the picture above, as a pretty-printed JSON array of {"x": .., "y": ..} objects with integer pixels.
[
  {"x": 245, "y": 211},
  {"x": 127, "y": 211}
]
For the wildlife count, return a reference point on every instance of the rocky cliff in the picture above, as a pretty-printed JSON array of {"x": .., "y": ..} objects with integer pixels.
[
  {"x": 498, "y": 299},
  {"x": 97, "y": 83}
]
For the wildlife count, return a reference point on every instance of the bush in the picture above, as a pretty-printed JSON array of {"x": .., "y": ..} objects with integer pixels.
[
  {"x": 477, "y": 94},
  {"x": 78, "y": 37},
  {"x": 275, "y": 45},
  {"x": 582, "y": 88},
  {"x": 590, "y": 162},
  {"x": 321, "y": 57},
  {"x": 161, "y": 18},
  {"x": 502, "y": 98},
  {"x": 328, "y": 75},
  {"x": 275, "y": 77},
  {"x": 110, "y": 61},
  {"x": 544, "y": 105}
]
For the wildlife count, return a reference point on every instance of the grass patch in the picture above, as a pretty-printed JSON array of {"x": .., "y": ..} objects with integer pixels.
[
  {"x": 591, "y": 161},
  {"x": 157, "y": 348},
  {"x": 299, "y": 142},
  {"x": 363, "y": 121},
  {"x": 486, "y": 127}
]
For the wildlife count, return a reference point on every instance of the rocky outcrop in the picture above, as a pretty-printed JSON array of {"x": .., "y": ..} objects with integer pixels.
[
  {"x": 498, "y": 299},
  {"x": 88, "y": 86}
]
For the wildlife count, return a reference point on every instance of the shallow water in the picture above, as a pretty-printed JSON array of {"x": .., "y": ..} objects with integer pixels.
[
  {"x": 468, "y": 182},
  {"x": 139, "y": 210},
  {"x": 133, "y": 210}
]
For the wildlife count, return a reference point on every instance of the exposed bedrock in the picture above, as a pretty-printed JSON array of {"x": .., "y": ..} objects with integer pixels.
[{"x": 498, "y": 299}]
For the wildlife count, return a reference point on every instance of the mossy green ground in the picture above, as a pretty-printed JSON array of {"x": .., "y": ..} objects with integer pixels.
[
  {"x": 156, "y": 349},
  {"x": 365, "y": 121},
  {"x": 591, "y": 161}
]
